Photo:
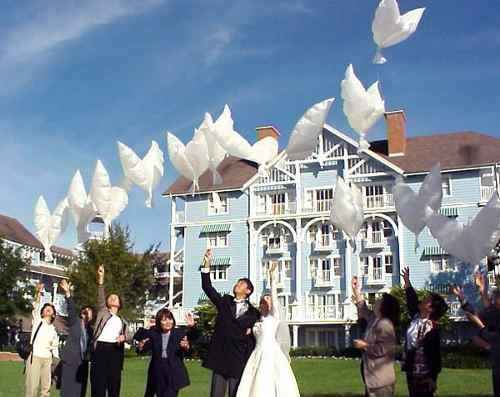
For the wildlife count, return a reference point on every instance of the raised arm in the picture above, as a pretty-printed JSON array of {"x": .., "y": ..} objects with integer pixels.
[
  {"x": 101, "y": 293},
  {"x": 363, "y": 311},
  {"x": 480, "y": 282},
  {"x": 275, "y": 307},
  {"x": 37, "y": 302},
  {"x": 411, "y": 294},
  {"x": 72, "y": 311},
  {"x": 206, "y": 283}
]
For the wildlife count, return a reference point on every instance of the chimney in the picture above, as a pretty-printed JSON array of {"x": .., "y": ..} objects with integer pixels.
[
  {"x": 263, "y": 132},
  {"x": 396, "y": 133}
]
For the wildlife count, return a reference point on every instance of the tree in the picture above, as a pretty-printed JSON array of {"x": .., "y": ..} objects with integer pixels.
[
  {"x": 14, "y": 286},
  {"x": 399, "y": 293},
  {"x": 128, "y": 274},
  {"x": 206, "y": 313}
]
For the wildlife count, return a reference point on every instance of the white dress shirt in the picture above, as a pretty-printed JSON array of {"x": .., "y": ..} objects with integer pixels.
[
  {"x": 47, "y": 341},
  {"x": 112, "y": 330}
]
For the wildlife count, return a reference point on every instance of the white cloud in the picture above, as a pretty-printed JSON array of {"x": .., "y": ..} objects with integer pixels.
[
  {"x": 63, "y": 21},
  {"x": 216, "y": 44}
]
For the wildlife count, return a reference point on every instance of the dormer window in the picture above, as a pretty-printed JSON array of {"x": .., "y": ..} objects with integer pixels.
[{"x": 217, "y": 203}]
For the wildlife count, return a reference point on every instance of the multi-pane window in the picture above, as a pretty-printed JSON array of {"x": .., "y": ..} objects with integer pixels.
[
  {"x": 325, "y": 235},
  {"x": 274, "y": 242},
  {"x": 337, "y": 267},
  {"x": 487, "y": 178},
  {"x": 365, "y": 265},
  {"x": 442, "y": 263},
  {"x": 284, "y": 271},
  {"x": 278, "y": 203},
  {"x": 446, "y": 185},
  {"x": 219, "y": 272},
  {"x": 313, "y": 230},
  {"x": 217, "y": 204},
  {"x": 326, "y": 266},
  {"x": 217, "y": 240},
  {"x": 374, "y": 196},
  {"x": 377, "y": 268},
  {"x": 389, "y": 264},
  {"x": 388, "y": 231},
  {"x": 324, "y": 199}
]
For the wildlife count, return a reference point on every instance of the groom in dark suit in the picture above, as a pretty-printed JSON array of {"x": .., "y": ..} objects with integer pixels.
[{"x": 232, "y": 341}]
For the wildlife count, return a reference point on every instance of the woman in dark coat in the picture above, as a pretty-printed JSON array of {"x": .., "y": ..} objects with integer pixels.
[{"x": 167, "y": 373}]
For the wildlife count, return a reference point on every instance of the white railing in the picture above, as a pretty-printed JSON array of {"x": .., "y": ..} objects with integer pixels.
[
  {"x": 277, "y": 249},
  {"x": 487, "y": 192},
  {"x": 180, "y": 216},
  {"x": 323, "y": 278},
  {"x": 322, "y": 312},
  {"x": 376, "y": 276},
  {"x": 278, "y": 209},
  {"x": 325, "y": 242},
  {"x": 376, "y": 239},
  {"x": 323, "y": 205},
  {"x": 379, "y": 201}
]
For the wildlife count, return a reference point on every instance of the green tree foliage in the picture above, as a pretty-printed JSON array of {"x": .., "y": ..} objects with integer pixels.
[
  {"x": 399, "y": 293},
  {"x": 14, "y": 287},
  {"x": 127, "y": 274},
  {"x": 206, "y": 313}
]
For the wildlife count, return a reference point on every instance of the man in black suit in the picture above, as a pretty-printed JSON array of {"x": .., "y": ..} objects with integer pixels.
[
  {"x": 232, "y": 341},
  {"x": 75, "y": 354}
]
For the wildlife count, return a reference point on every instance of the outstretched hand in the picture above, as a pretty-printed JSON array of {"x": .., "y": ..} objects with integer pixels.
[
  {"x": 479, "y": 281},
  {"x": 406, "y": 277},
  {"x": 458, "y": 292},
  {"x": 207, "y": 258},
  {"x": 191, "y": 322},
  {"x": 66, "y": 287},
  {"x": 100, "y": 275},
  {"x": 185, "y": 343}
]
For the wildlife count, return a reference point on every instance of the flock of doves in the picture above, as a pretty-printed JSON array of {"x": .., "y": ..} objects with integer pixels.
[{"x": 213, "y": 141}]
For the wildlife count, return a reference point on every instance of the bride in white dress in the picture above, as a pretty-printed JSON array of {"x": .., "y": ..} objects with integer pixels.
[{"x": 268, "y": 372}]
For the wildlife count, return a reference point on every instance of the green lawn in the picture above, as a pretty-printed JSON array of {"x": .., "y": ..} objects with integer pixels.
[{"x": 316, "y": 377}]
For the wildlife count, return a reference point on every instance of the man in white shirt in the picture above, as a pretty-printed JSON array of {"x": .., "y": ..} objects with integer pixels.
[
  {"x": 107, "y": 343},
  {"x": 45, "y": 343}
]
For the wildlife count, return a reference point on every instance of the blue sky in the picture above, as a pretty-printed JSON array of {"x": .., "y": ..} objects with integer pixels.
[{"x": 79, "y": 75}]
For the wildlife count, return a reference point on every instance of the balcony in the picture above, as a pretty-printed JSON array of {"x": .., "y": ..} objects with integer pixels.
[
  {"x": 322, "y": 312},
  {"x": 381, "y": 201},
  {"x": 487, "y": 192},
  {"x": 277, "y": 249},
  {"x": 376, "y": 276},
  {"x": 325, "y": 242},
  {"x": 376, "y": 240},
  {"x": 320, "y": 206},
  {"x": 278, "y": 209},
  {"x": 323, "y": 278}
]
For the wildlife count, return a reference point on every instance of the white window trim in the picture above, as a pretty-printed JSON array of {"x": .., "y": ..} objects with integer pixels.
[
  {"x": 209, "y": 207},
  {"x": 432, "y": 268},
  {"x": 450, "y": 185},
  {"x": 218, "y": 235},
  {"x": 220, "y": 279},
  {"x": 314, "y": 200}
]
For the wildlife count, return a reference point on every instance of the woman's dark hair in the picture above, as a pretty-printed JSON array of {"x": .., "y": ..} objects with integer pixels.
[
  {"x": 86, "y": 308},
  {"x": 390, "y": 309},
  {"x": 163, "y": 313},
  {"x": 53, "y": 317},
  {"x": 264, "y": 306},
  {"x": 439, "y": 307}
]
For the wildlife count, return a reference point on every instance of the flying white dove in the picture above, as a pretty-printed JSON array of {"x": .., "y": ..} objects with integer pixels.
[
  {"x": 469, "y": 242},
  {"x": 362, "y": 107},
  {"x": 303, "y": 139},
  {"x": 145, "y": 173},
  {"x": 216, "y": 154},
  {"x": 49, "y": 227},
  {"x": 190, "y": 160},
  {"x": 109, "y": 201},
  {"x": 411, "y": 206},
  {"x": 81, "y": 206},
  {"x": 235, "y": 145},
  {"x": 389, "y": 27},
  {"x": 347, "y": 208}
]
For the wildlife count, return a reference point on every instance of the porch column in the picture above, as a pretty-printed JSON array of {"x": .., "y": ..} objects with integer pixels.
[
  {"x": 173, "y": 241},
  {"x": 295, "y": 336}
]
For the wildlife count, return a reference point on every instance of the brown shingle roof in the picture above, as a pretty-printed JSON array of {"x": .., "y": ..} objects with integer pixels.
[
  {"x": 234, "y": 171},
  {"x": 13, "y": 230},
  {"x": 452, "y": 150}
]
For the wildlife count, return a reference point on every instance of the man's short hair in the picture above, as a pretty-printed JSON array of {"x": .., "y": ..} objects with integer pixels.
[{"x": 248, "y": 283}]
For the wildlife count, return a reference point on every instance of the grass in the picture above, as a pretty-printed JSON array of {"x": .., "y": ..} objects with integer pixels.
[{"x": 316, "y": 378}]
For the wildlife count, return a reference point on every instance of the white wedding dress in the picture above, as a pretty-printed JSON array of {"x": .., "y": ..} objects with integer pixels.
[{"x": 268, "y": 372}]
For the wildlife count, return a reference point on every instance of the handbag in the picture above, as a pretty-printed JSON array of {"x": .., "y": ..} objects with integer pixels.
[{"x": 24, "y": 347}]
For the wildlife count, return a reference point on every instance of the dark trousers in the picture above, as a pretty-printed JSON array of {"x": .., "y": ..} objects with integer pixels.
[
  {"x": 220, "y": 384},
  {"x": 74, "y": 379},
  {"x": 496, "y": 381},
  {"x": 421, "y": 388},
  {"x": 106, "y": 370},
  {"x": 160, "y": 384}
]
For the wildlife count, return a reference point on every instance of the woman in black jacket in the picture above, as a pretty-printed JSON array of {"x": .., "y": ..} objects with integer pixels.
[
  {"x": 167, "y": 373},
  {"x": 422, "y": 352}
]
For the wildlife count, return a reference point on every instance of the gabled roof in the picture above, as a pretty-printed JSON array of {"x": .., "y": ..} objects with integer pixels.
[
  {"x": 453, "y": 150},
  {"x": 234, "y": 171},
  {"x": 13, "y": 230}
]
